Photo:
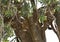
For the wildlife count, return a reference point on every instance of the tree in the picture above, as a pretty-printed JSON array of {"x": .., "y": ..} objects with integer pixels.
[{"x": 28, "y": 22}]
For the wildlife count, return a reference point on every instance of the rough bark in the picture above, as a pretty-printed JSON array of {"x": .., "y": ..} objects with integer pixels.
[{"x": 28, "y": 31}]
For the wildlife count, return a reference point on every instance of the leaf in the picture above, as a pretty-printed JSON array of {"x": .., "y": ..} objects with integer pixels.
[
  {"x": 8, "y": 30},
  {"x": 5, "y": 40},
  {"x": 25, "y": 9},
  {"x": 5, "y": 2},
  {"x": 8, "y": 13},
  {"x": 42, "y": 18},
  {"x": 30, "y": 15},
  {"x": 57, "y": 8}
]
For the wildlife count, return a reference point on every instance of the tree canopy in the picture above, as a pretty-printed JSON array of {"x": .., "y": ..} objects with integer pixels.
[{"x": 23, "y": 17}]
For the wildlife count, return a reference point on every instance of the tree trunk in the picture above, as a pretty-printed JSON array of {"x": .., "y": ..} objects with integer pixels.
[
  {"x": 28, "y": 31},
  {"x": 35, "y": 31}
]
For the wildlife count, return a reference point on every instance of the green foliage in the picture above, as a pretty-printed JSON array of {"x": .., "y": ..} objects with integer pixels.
[
  {"x": 42, "y": 18},
  {"x": 5, "y": 2},
  {"x": 5, "y": 40},
  {"x": 57, "y": 8},
  {"x": 8, "y": 13},
  {"x": 9, "y": 32},
  {"x": 25, "y": 9},
  {"x": 30, "y": 15}
]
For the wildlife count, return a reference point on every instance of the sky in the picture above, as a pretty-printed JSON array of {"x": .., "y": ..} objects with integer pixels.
[{"x": 51, "y": 36}]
